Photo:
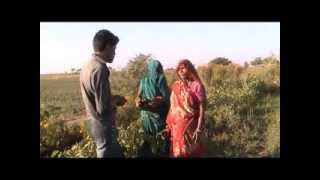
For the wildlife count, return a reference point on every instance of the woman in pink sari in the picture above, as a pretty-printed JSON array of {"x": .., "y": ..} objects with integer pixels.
[{"x": 185, "y": 119}]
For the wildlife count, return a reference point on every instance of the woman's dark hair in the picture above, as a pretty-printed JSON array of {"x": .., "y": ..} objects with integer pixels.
[
  {"x": 192, "y": 70},
  {"x": 102, "y": 38}
]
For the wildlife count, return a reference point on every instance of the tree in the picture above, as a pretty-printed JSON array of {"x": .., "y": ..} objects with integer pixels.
[
  {"x": 136, "y": 67},
  {"x": 72, "y": 70},
  {"x": 271, "y": 60},
  {"x": 78, "y": 71},
  {"x": 256, "y": 61},
  {"x": 220, "y": 60},
  {"x": 246, "y": 65}
]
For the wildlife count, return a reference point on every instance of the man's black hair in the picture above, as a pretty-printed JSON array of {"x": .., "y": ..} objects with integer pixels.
[{"x": 102, "y": 38}]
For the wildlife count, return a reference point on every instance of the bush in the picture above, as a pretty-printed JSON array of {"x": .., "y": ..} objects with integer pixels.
[
  {"x": 216, "y": 74},
  {"x": 85, "y": 148},
  {"x": 131, "y": 138},
  {"x": 273, "y": 135},
  {"x": 57, "y": 136},
  {"x": 237, "y": 109},
  {"x": 127, "y": 113}
]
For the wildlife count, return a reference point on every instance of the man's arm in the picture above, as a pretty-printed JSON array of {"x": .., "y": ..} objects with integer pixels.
[{"x": 102, "y": 93}]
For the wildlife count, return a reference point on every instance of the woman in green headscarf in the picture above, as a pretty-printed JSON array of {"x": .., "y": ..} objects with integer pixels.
[{"x": 154, "y": 101}]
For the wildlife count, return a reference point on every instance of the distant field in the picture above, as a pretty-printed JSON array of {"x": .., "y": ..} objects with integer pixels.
[
  {"x": 59, "y": 76},
  {"x": 60, "y": 95}
]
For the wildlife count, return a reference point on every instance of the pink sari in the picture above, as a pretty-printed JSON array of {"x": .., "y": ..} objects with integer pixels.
[{"x": 182, "y": 119}]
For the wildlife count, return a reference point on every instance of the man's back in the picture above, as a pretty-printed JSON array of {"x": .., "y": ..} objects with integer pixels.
[
  {"x": 96, "y": 94},
  {"x": 95, "y": 90}
]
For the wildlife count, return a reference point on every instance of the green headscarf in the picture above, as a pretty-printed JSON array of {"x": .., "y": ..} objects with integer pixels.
[{"x": 154, "y": 84}]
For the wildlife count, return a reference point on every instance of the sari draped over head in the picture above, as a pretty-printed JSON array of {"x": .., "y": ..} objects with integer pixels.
[
  {"x": 182, "y": 119},
  {"x": 154, "y": 84}
]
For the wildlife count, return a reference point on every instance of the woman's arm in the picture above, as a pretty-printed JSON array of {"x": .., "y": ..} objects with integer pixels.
[
  {"x": 201, "y": 116},
  {"x": 198, "y": 131},
  {"x": 202, "y": 106},
  {"x": 138, "y": 99},
  {"x": 202, "y": 98}
]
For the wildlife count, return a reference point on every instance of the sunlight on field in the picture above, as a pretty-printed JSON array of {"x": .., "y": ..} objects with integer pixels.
[{"x": 58, "y": 76}]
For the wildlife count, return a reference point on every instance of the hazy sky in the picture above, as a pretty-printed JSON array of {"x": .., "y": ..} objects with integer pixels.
[{"x": 68, "y": 45}]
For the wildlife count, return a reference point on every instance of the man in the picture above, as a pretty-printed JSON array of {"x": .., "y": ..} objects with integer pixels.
[{"x": 99, "y": 103}]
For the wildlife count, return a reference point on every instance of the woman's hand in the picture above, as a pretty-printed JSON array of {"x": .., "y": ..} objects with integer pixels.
[
  {"x": 158, "y": 98},
  {"x": 138, "y": 102},
  {"x": 196, "y": 135},
  {"x": 166, "y": 132},
  {"x": 156, "y": 101}
]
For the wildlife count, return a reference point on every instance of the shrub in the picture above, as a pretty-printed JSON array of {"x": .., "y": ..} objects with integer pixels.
[{"x": 56, "y": 136}]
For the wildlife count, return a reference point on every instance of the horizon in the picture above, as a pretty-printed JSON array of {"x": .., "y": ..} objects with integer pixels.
[
  {"x": 68, "y": 45},
  {"x": 203, "y": 64}
]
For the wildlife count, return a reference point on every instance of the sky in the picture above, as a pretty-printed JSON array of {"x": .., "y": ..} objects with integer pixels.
[{"x": 66, "y": 45}]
